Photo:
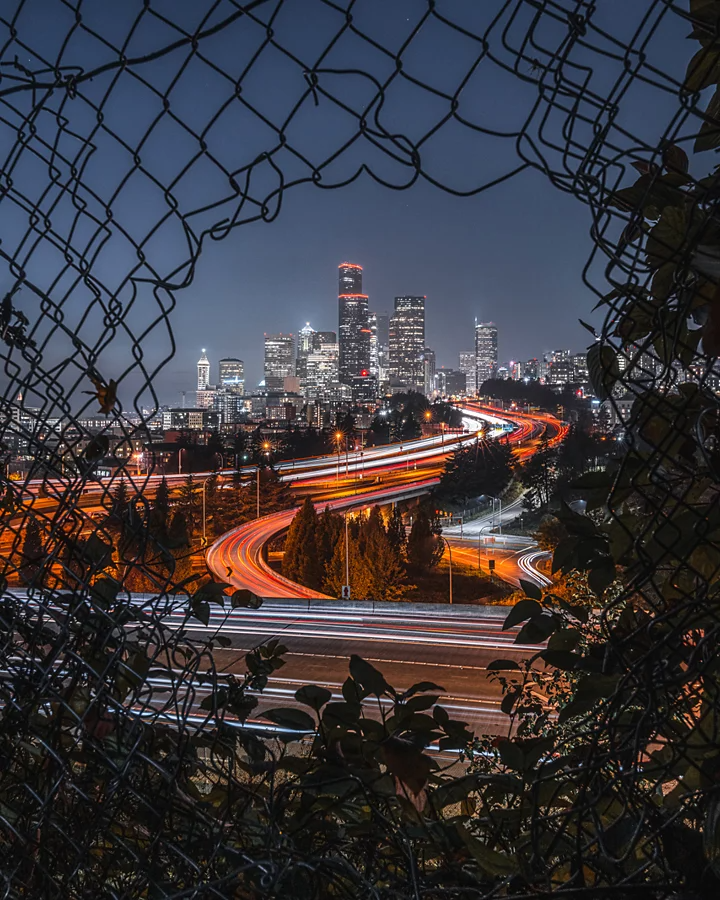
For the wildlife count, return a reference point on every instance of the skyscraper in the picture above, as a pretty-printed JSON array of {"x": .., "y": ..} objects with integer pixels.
[
  {"x": 322, "y": 366},
  {"x": 354, "y": 329},
  {"x": 468, "y": 366},
  {"x": 407, "y": 341},
  {"x": 231, "y": 375},
  {"x": 428, "y": 358},
  {"x": 486, "y": 351},
  {"x": 374, "y": 346},
  {"x": 203, "y": 372},
  {"x": 279, "y": 360},
  {"x": 306, "y": 342}
]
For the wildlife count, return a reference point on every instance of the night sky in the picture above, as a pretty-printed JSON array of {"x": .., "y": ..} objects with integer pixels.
[{"x": 513, "y": 254}]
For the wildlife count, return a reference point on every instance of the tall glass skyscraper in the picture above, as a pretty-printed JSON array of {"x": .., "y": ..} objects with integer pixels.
[
  {"x": 279, "y": 360},
  {"x": 232, "y": 374},
  {"x": 353, "y": 323},
  {"x": 486, "y": 351},
  {"x": 407, "y": 342}
]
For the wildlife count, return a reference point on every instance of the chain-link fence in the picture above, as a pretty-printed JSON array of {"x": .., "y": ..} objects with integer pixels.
[{"x": 132, "y": 134}]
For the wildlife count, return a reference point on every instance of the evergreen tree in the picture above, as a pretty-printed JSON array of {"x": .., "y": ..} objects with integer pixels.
[
  {"x": 328, "y": 532},
  {"x": 300, "y": 559},
  {"x": 538, "y": 476},
  {"x": 360, "y": 580},
  {"x": 160, "y": 512},
  {"x": 397, "y": 536},
  {"x": 120, "y": 502},
  {"x": 483, "y": 468},
  {"x": 179, "y": 545},
  {"x": 382, "y": 563},
  {"x": 189, "y": 504},
  {"x": 425, "y": 546},
  {"x": 32, "y": 554}
]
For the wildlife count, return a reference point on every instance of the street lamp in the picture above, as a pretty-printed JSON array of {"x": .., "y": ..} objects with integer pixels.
[
  {"x": 338, "y": 438},
  {"x": 450, "y": 552}
]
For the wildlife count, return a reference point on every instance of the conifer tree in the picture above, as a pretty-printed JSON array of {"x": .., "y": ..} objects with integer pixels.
[
  {"x": 159, "y": 517},
  {"x": 300, "y": 559},
  {"x": 32, "y": 554},
  {"x": 382, "y": 564},
  {"x": 179, "y": 544},
  {"x": 360, "y": 580},
  {"x": 397, "y": 536},
  {"x": 425, "y": 546},
  {"x": 328, "y": 532}
]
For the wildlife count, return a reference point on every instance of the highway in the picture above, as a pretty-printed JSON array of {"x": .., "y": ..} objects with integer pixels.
[
  {"x": 237, "y": 557},
  {"x": 407, "y": 646}
]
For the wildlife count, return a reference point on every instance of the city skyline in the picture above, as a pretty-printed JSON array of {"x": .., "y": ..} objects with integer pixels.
[{"x": 378, "y": 316}]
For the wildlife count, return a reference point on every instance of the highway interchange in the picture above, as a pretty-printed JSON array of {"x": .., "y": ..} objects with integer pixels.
[{"x": 408, "y": 642}]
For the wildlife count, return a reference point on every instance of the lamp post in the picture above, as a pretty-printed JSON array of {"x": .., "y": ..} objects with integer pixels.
[
  {"x": 347, "y": 552},
  {"x": 338, "y": 438},
  {"x": 450, "y": 553}
]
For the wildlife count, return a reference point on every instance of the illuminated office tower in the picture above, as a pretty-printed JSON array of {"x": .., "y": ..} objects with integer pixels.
[{"x": 353, "y": 323}]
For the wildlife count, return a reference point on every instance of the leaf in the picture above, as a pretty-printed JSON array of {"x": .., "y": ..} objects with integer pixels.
[
  {"x": 105, "y": 394},
  {"x": 368, "y": 676},
  {"x": 564, "y": 639},
  {"x": 603, "y": 370},
  {"x": 561, "y": 659},
  {"x": 97, "y": 447},
  {"x": 453, "y": 792},
  {"x": 711, "y": 834},
  {"x": 211, "y": 592},
  {"x": 666, "y": 239},
  {"x": 703, "y": 71},
  {"x": 709, "y": 136},
  {"x": 201, "y": 611},
  {"x": 490, "y": 861},
  {"x": 500, "y": 665},
  {"x": 313, "y": 696},
  {"x": 536, "y": 630},
  {"x": 245, "y": 598},
  {"x": 292, "y": 719},
  {"x": 531, "y": 589},
  {"x": 421, "y": 687},
  {"x": 509, "y": 700},
  {"x": 588, "y": 327},
  {"x": 406, "y": 763},
  {"x": 523, "y": 609},
  {"x": 601, "y": 576}
]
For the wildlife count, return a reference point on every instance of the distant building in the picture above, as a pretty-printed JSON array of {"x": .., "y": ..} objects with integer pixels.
[
  {"x": 279, "y": 360},
  {"x": 231, "y": 372},
  {"x": 364, "y": 389},
  {"x": 468, "y": 366},
  {"x": 580, "y": 368},
  {"x": 353, "y": 323},
  {"x": 205, "y": 399},
  {"x": 229, "y": 405},
  {"x": 189, "y": 419},
  {"x": 486, "y": 351},
  {"x": 374, "y": 346},
  {"x": 407, "y": 342},
  {"x": 383, "y": 329},
  {"x": 203, "y": 372},
  {"x": 560, "y": 368},
  {"x": 428, "y": 358},
  {"x": 516, "y": 369},
  {"x": 305, "y": 346},
  {"x": 532, "y": 369},
  {"x": 322, "y": 367},
  {"x": 450, "y": 382}
]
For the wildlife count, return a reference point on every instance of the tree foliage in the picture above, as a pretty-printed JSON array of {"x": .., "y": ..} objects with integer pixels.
[{"x": 483, "y": 468}]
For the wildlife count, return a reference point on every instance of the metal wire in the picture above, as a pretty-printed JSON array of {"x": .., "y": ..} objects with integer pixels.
[{"x": 133, "y": 134}]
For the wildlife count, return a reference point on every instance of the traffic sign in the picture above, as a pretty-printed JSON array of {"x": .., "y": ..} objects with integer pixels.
[
  {"x": 491, "y": 565},
  {"x": 345, "y": 592}
]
